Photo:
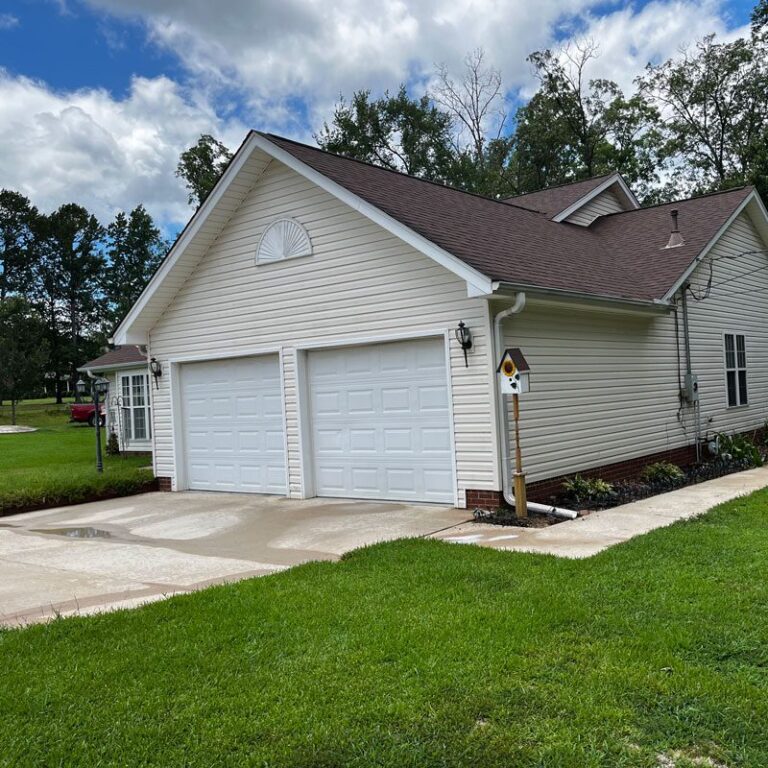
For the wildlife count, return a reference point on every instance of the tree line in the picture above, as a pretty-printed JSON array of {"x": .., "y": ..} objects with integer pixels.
[
  {"x": 65, "y": 282},
  {"x": 696, "y": 123},
  {"x": 693, "y": 124}
]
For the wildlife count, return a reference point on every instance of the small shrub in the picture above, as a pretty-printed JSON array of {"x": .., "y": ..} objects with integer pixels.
[
  {"x": 593, "y": 491},
  {"x": 662, "y": 473},
  {"x": 739, "y": 448},
  {"x": 113, "y": 445}
]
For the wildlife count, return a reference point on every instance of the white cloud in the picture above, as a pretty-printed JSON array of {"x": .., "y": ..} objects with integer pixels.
[
  {"x": 107, "y": 154},
  {"x": 288, "y": 60},
  {"x": 276, "y": 50},
  {"x": 8, "y": 21}
]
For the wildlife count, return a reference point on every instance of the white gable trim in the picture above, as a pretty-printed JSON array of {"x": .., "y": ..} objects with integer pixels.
[
  {"x": 477, "y": 283},
  {"x": 598, "y": 190},
  {"x": 753, "y": 197},
  {"x": 122, "y": 334}
]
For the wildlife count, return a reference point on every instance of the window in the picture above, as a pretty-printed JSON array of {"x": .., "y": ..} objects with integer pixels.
[
  {"x": 134, "y": 390},
  {"x": 736, "y": 369}
]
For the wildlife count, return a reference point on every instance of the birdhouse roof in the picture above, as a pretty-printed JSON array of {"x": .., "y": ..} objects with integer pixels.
[{"x": 517, "y": 357}]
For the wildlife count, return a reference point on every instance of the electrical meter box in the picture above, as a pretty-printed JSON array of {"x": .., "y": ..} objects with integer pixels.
[
  {"x": 513, "y": 373},
  {"x": 691, "y": 388}
]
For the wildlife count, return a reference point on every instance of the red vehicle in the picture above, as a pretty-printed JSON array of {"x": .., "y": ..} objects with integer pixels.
[{"x": 83, "y": 412}]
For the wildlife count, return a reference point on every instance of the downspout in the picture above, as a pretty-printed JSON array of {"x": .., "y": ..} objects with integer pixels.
[
  {"x": 503, "y": 422},
  {"x": 689, "y": 365}
]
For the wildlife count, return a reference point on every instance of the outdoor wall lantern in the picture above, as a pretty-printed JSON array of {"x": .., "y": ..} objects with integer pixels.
[
  {"x": 157, "y": 371},
  {"x": 99, "y": 388},
  {"x": 464, "y": 337}
]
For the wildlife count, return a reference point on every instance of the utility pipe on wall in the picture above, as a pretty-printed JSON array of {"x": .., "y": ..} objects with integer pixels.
[{"x": 501, "y": 417}]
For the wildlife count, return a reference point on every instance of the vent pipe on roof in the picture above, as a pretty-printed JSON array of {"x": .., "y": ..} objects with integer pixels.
[{"x": 675, "y": 238}]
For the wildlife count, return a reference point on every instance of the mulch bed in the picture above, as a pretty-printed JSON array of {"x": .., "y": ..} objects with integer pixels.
[{"x": 623, "y": 492}]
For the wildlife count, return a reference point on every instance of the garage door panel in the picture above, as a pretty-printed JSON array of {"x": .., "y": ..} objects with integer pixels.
[
  {"x": 233, "y": 425},
  {"x": 381, "y": 422}
]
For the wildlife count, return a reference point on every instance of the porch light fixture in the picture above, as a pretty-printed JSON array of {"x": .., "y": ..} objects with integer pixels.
[
  {"x": 157, "y": 371},
  {"x": 99, "y": 388},
  {"x": 464, "y": 337}
]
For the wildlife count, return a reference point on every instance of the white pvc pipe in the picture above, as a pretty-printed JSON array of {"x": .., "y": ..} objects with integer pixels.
[{"x": 502, "y": 419}]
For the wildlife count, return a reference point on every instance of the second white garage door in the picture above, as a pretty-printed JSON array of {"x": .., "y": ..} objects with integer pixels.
[
  {"x": 381, "y": 426},
  {"x": 233, "y": 425}
]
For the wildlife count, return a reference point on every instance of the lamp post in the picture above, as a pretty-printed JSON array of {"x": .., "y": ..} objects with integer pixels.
[{"x": 99, "y": 387}]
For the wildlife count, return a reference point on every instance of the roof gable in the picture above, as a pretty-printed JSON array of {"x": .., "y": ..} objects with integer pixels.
[
  {"x": 488, "y": 243},
  {"x": 561, "y": 202}
]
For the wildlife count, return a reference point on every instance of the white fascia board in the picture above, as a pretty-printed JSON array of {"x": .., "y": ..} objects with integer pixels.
[
  {"x": 599, "y": 189},
  {"x": 576, "y": 297},
  {"x": 753, "y": 197},
  {"x": 115, "y": 367},
  {"x": 124, "y": 334},
  {"x": 477, "y": 280}
]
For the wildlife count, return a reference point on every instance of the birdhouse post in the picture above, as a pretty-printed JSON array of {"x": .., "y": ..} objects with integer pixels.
[{"x": 513, "y": 372}]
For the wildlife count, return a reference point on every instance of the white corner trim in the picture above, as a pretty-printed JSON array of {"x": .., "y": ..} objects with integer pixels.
[
  {"x": 751, "y": 197},
  {"x": 452, "y": 420},
  {"x": 598, "y": 190}
]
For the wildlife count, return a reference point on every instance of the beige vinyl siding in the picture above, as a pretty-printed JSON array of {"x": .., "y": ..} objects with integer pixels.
[
  {"x": 738, "y": 303},
  {"x": 361, "y": 282},
  {"x": 605, "y": 203},
  {"x": 604, "y": 385}
]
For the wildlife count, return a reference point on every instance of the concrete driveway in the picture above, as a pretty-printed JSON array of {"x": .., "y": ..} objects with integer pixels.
[{"x": 125, "y": 552}]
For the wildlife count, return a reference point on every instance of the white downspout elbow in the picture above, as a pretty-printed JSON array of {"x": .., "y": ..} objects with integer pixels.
[{"x": 502, "y": 420}]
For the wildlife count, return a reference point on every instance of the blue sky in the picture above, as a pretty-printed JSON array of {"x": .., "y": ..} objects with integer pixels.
[{"x": 98, "y": 97}]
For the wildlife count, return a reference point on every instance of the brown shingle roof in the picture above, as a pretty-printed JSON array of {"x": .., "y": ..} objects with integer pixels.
[
  {"x": 618, "y": 256},
  {"x": 117, "y": 356},
  {"x": 554, "y": 200}
]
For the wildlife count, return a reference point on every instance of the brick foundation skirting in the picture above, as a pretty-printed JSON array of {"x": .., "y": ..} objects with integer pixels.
[
  {"x": 164, "y": 484},
  {"x": 543, "y": 490}
]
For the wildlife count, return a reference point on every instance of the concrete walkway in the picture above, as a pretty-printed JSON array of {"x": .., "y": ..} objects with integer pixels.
[{"x": 589, "y": 535}]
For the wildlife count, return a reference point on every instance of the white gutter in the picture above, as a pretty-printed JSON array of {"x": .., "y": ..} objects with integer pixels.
[{"x": 503, "y": 422}]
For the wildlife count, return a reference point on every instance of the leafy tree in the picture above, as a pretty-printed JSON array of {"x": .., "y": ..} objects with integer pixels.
[
  {"x": 23, "y": 350},
  {"x": 69, "y": 287},
  {"x": 134, "y": 249},
  {"x": 575, "y": 127},
  {"x": 760, "y": 16},
  {"x": 394, "y": 131},
  {"x": 17, "y": 241},
  {"x": 714, "y": 102},
  {"x": 201, "y": 165}
]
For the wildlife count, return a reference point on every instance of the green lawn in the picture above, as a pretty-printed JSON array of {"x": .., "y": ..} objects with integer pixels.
[
  {"x": 419, "y": 653},
  {"x": 57, "y": 464}
]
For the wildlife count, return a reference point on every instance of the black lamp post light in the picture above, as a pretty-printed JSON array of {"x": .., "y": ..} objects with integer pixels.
[{"x": 99, "y": 389}]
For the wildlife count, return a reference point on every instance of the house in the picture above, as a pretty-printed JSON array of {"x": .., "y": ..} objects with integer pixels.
[
  {"x": 128, "y": 401},
  {"x": 306, "y": 326}
]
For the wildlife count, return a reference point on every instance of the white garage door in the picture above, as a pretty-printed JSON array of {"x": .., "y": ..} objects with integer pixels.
[
  {"x": 233, "y": 425},
  {"x": 381, "y": 422}
]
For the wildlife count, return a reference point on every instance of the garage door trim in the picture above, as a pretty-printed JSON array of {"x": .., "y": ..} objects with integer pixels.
[
  {"x": 303, "y": 396},
  {"x": 180, "y": 480}
]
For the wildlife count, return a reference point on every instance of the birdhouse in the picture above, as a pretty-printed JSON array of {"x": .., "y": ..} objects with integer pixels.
[{"x": 513, "y": 372}]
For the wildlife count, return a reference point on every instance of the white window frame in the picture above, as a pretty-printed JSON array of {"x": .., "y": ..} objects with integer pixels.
[
  {"x": 128, "y": 408},
  {"x": 736, "y": 369}
]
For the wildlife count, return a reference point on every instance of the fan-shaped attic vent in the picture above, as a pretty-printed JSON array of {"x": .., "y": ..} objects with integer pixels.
[{"x": 283, "y": 239}]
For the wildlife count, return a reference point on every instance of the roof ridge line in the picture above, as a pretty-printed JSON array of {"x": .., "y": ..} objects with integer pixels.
[
  {"x": 678, "y": 202},
  {"x": 449, "y": 187},
  {"x": 564, "y": 184}
]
